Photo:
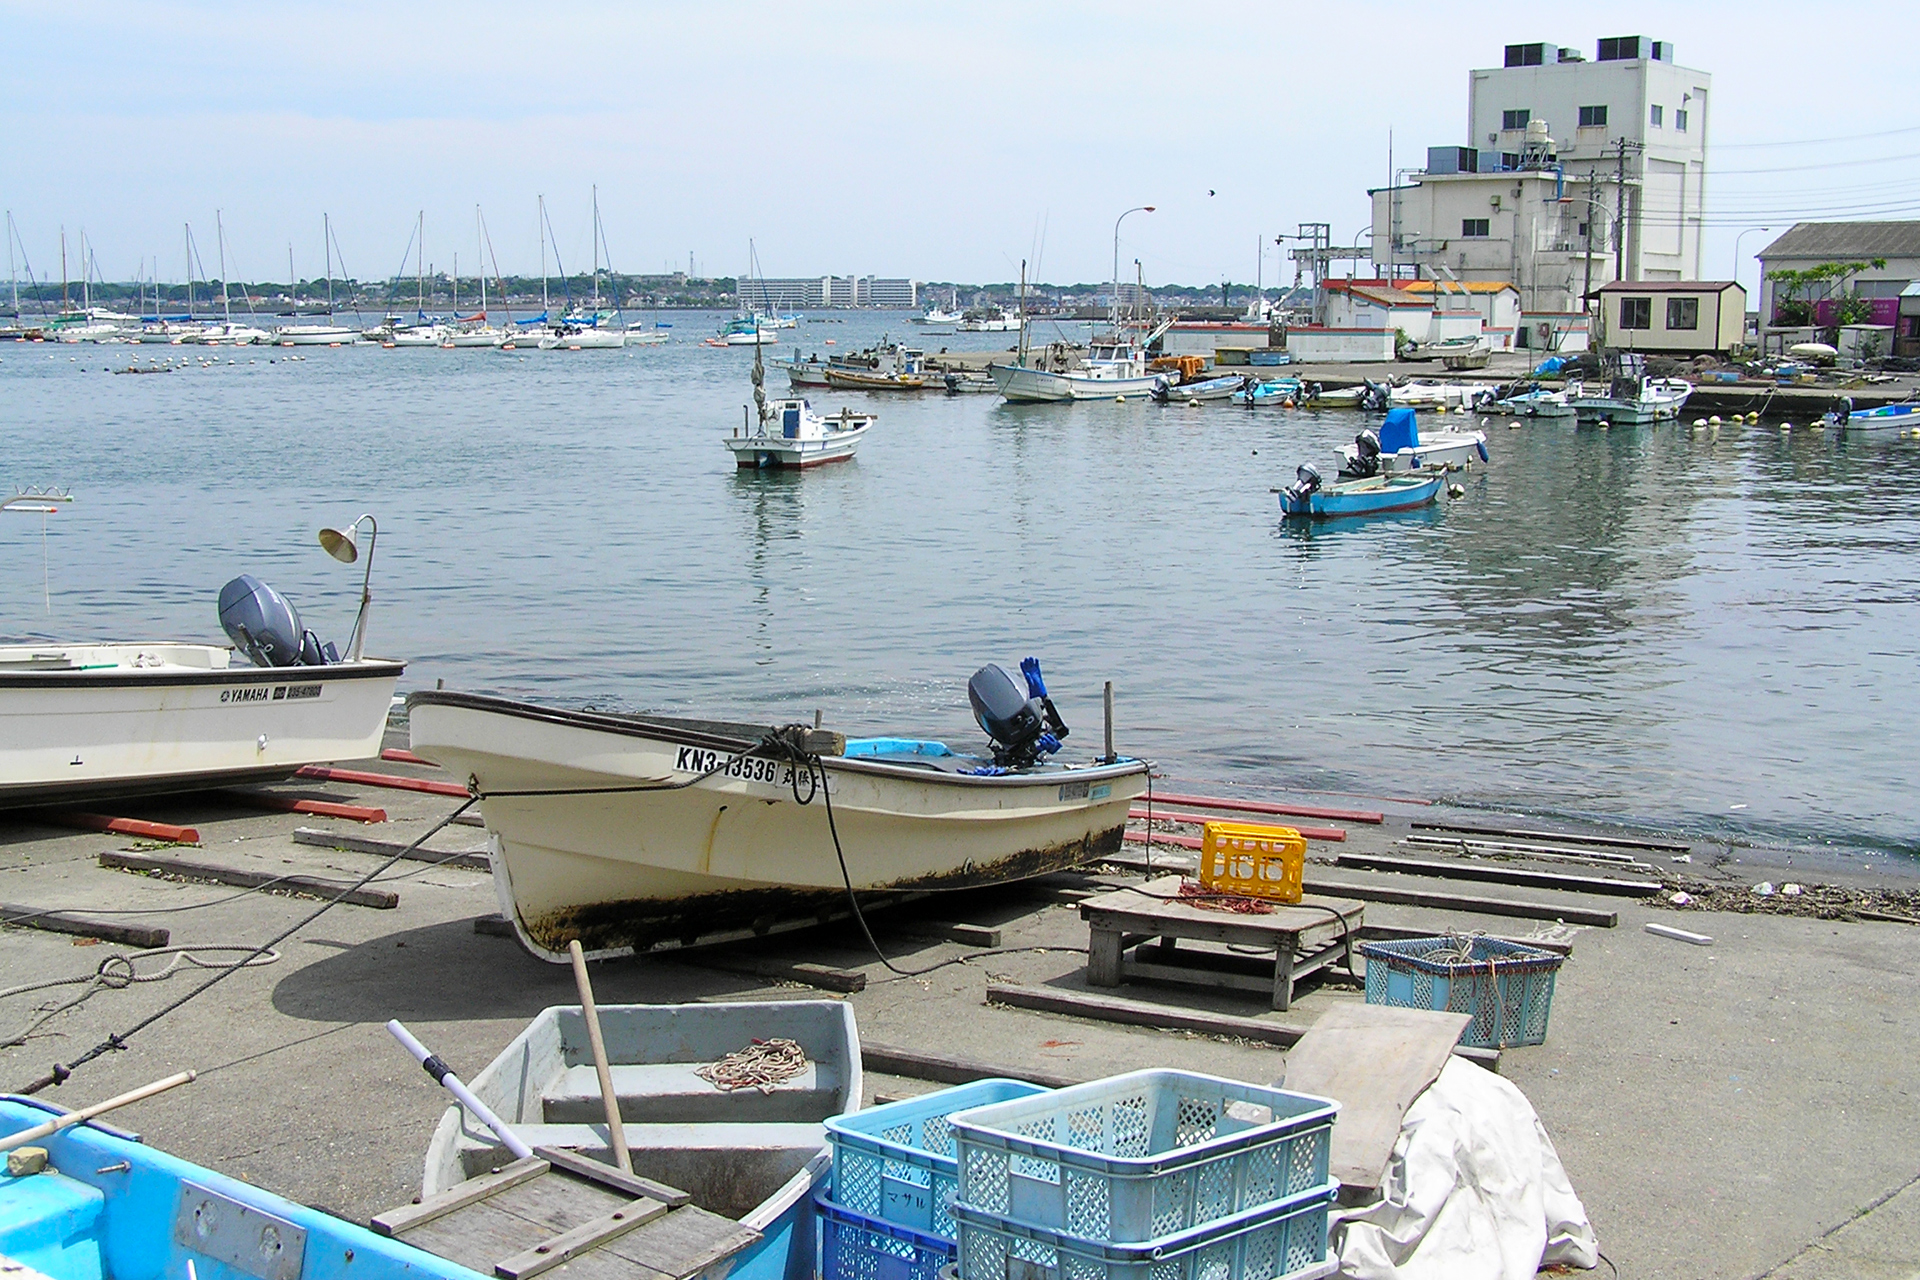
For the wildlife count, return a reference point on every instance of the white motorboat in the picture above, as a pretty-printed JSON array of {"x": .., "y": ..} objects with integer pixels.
[
  {"x": 750, "y": 331},
  {"x": 573, "y": 337},
  {"x": 1430, "y": 393},
  {"x": 1003, "y": 320},
  {"x": 939, "y": 315},
  {"x": 1530, "y": 400},
  {"x": 630, "y": 833},
  {"x": 648, "y": 337},
  {"x": 1400, "y": 447},
  {"x": 1630, "y": 397},
  {"x": 1114, "y": 368},
  {"x": 484, "y": 335},
  {"x": 420, "y": 335},
  {"x": 796, "y": 437},
  {"x": 315, "y": 335}
]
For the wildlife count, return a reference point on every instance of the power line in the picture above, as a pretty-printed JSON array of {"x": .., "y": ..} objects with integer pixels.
[
  {"x": 1814, "y": 142},
  {"x": 1830, "y": 164}
]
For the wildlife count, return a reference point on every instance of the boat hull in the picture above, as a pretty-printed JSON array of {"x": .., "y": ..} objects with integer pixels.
[
  {"x": 1364, "y": 498},
  {"x": 105, "y": 727},
  {"x": 735, "y": 854},
  {"x": 850, "y": 380},
  {"x": 1893, "y": 417},
  {"x": 1038, "y": 386},
  {"x": 316, "y": 336}
]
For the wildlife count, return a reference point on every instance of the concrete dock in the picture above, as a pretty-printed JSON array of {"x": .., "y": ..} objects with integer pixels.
[{"x": 1744, "y": 1109}]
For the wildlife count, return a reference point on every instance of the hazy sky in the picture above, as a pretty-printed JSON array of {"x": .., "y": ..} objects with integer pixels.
[{"x": 939, "y": 141}]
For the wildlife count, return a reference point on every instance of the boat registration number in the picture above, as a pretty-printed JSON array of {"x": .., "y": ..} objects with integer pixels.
[
  {"x": 1085, "y": 791},
  {"x": 274, "y": 693},
  {"x": 745, "y": 768}
]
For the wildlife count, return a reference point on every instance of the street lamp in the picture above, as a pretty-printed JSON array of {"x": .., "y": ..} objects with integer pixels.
[
  {"x": 1145, "y": 208},
  {"x": 1736, "y": 253},
  {"x": 340, "y": 544}
]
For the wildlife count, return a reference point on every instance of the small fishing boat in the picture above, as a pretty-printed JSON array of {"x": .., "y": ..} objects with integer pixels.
[
  {"x": 991, "y": 320},
  {"x": 1529, "y": 400},
  {"x": 110, "y": 1205},
  {"x": 797, "y": 437},
  {"x": 958, "y": 383},
  {"x": 1115, "y": 368},
  {"x": 749, "y": 1157},
  {"x": 1429, "y": 393},
  {"x": 1630, "y": 397},
  {"x": 1399, "y": 446},
  {"x": 572, "y": 336},
  {"x": 430, "y": 334},
  {"x": 749, "y": 331},
  {"x": 869, "y": 380},
  {"x": 1888, "y": 417},
  {"x": 630, "y": 832},
  {"x": 1269, "y": 391},
  {"x": 1375, "y": 496},
  {"x": 935, "y": 314},
  {"x": 1199, "y": 390}
]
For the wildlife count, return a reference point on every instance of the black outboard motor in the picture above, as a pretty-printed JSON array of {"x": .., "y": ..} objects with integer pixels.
[
  {"x": 1306, "y": 483},
  {"x": 1374, "y": 397},
  {"x": 1022, "y": 723},
  {"x": 266, "y": 628},
  {"x": 1160, "y": 391},
  {"x": 1366, "y": 456}
]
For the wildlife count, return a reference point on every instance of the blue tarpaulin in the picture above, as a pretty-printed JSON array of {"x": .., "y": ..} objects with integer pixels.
[{"x": 1399, "y": 431}]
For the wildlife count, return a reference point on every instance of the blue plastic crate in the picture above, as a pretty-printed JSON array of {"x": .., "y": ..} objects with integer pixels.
[
  {"x": 1274, "y": 1242},
  {"x": 854, "y": 1246},
  {"x": 1141, "y": 1156},
  {"x": 1507, "y": 988},
  {"x": 897, "y": 1162}
]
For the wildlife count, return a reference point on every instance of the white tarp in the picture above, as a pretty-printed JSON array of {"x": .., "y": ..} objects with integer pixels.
[{"x": 1474, "y": 1189}]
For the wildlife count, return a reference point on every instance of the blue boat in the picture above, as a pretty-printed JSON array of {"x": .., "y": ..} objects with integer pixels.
[
  {"x": 109, "y": 1207},
  {"x": 1270, "y": 391},
  {"x": 1220, "y": 388},
  {"x": 1888, "y": 417},
  {"x": 1376, "y": 495}
]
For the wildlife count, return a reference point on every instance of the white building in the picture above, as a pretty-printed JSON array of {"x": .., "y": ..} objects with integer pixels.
[
  {"x": 828, "y": 291},
  {"x": 1575, "y": 171},
  {"x": 1808, "y": 244}
]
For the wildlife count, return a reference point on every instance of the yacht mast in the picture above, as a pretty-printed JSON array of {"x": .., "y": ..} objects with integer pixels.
[
  {"x": 480, "y": 247},
  {"x": 326, "y": 247},
  {"x": 543, "y": 256},
  {"x": 420, "y": 264},
  {"x": 64, "y": 303},
  {"x": 220, "y": 235},
  {"x": 596, "y": 250},
  {"x": 186, "y": 238},
  {"x": 13, "y": 277},
  {"x": 86, "y": 275}
]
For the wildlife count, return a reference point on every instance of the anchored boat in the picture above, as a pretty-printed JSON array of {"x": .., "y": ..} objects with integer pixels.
[
  {"x": 1630, "y": 397},
  {"x": 636, "y": 832},
  {"x": 1888, "y": 417},
  {"x": 1306, "y": 496},
  {"x": 1400, "y": 446}
]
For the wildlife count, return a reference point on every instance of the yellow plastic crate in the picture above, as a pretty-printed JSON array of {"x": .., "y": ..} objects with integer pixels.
[{"x": 1257, "y": 861}]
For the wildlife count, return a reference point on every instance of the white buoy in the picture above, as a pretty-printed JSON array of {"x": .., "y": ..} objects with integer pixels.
[
  {"x": 1699, "y": 422},
  {"x": 1714, "y": 420}
]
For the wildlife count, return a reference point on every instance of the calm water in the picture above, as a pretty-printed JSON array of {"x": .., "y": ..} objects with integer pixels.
[{"x": 1714, "y": 633}]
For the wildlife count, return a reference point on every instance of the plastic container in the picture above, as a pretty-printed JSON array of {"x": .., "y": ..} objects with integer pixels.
[
  {"x": 1257, "y": 861},
  {"x": 1140, "y": 1156},
  {"x": 1274, "y": 1242},
  {"x": 856, "y": 1247},
  {"x": 1508, "y": 988},
  {"x": 897, "y": 1162}
]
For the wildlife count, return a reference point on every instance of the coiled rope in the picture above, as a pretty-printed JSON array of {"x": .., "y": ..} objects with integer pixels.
[{"x": 761, "y": 1065}]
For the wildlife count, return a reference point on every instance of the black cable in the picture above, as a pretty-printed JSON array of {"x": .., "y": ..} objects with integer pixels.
[{"x": 60, "y": 1073}]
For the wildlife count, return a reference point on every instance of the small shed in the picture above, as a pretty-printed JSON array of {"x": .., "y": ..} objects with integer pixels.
[
  {"x": 1906, "y": 332},
  {"x": 1677, "y": 317}
]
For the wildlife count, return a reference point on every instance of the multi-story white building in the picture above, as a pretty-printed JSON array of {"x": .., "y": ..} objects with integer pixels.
[
  {"x": 1576, "y": 173},
  {"x": 828, "y": 291}
]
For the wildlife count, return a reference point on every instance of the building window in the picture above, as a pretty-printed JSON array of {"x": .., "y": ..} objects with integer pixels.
[
  {"x": 1510, "y": 160},
  {"x": 1475, "y": 227},
  {"x": 1636, "y": 313},
  {"x": 1654, "y": 115},
  {"x": 1682, "y": 313},
  {"x": 1516, "y": 119},
  {"x": 1680, "y": 119},
  {"x": 1582, "y": 232},
  {"x": 1593, "y": 117}
]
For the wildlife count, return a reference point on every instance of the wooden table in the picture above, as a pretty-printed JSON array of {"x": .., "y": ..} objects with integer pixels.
[{"x": 1303, "y": 939}]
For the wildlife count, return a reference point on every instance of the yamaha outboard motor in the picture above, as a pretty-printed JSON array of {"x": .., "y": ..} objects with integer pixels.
[
  {"x": 1306, "y": 483},
  {"x": 266, "y": 628},
  {"x": 1374, "y": 397},
  {"x": 1160, "y": 391},
  {"x": 1021, "y": 721},
  {"x": 1366, "y": 456}
]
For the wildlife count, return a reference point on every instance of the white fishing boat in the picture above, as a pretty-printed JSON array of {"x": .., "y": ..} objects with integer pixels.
[
  {"x": 995, "y": 320},
  {"x": 476, "y": 336},
  {"x": 936, "y": 314},
  {"x": 796, "y": 437},
  {"x": 1630, "y": 396},
  {"x": 635, "y": 832},
  {"x": 432, "y": 334},
  {"x": 1428, "y": 393},
  {"x": 1114, "y": 368},
  {"x": 750, "y": 331},
  {"x": 1400, "y": 446},
  {"x": 1530, "y": 400}
]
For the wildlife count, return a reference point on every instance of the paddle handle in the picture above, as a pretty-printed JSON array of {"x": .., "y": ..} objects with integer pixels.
[
  {"x": 443, "y": 1075},
  {"x": 616, "y": 1132},
  {"x": 85, "y": 1114}
]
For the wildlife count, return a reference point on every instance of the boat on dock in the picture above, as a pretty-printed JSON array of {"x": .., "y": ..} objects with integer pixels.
[
  {"x": 1378, "y": 495},
  {"x": 110, "y": 1205},
  {"x": 1400, "y": 447},
  {"x": 633, "y": 832},
  {"x": 1432, "y": 393}
]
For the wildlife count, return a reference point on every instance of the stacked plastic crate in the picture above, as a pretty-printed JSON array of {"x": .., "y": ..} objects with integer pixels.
[
  {"x": 1156, "y": 1175},
  {"x": 887, "y": 1214}
]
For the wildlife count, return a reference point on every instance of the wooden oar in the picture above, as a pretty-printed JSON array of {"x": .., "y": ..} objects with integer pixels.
[
  {"x": 85, "y": 1114},
  {"x": 616, "y": 1132}
]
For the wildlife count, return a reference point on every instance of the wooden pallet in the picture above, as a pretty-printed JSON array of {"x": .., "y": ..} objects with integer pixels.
[{"x": 559, "y": 1213}]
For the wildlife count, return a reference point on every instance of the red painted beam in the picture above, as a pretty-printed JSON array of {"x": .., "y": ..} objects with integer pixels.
[
  {"x": 126, "y": 827},
  {"x": 1201, "y": 819},
  {"x": 1268, "y": 806},
  {"x": 1184, "y": 842},
  {"x": 392, "y": 780},
  {"x": 398, "y": 756},
  {"x": 319, "y": 808}
]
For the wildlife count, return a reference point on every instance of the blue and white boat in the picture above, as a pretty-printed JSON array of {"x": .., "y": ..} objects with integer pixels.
[
  {"x": 1273, "y": 391},
  {"x": 1399, "y": 447},
  {"x": 1376, "y": 495},
  {"x": 1888, "y": 417},
  {"x": 1220, "y": 388},
  {"x": 109, "y": 1207}
]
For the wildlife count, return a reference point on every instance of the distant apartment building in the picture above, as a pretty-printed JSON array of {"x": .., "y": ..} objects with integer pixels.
[
  {"x": 1575, "y": 174},
  {"x": 828, "y": 291}
]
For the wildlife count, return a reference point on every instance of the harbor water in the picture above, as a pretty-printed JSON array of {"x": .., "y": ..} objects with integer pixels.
[{"x": 1714, "y": 632}]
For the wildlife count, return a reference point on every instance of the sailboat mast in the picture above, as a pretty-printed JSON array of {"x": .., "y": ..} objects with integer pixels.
[
  {"x": 326, "y": 246},
  {"x": 420, "y": 263},
  {"x": 596, "y": 249},
  {"x": 480, "y": 248},
  {"x": 543, "y": 255},
  {"x": 64, "y": 303},
  {"x": 13, "y": 276},
  {"x": 86, "y": 275},
  {"x": 220, "y": 235},
  {"x": 1025, "y": 343},
  {"x": 186, "y": 238}
]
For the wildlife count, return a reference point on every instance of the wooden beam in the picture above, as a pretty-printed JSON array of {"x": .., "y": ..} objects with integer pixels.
[
  {"x": 1139, "y": 814},
  {"x": 472, "y": 1191},
  {"x": 967, "y": 935},
  {"x": 947, "y": 1069},
  {"x": 316, "y": 808},
  {"x": 361, "y": 777},
  {"x": 308, "y": 886},
  {"x": 1440, "y": 901},
  {"x": 819, "y": 976},
  {"x": 120, "y": 826},
  {"x": 1269, "y": 806},
  {"x": 466, "y": 859},
  {"x": 570, "y": 1244},
  {"x": 1564, "y": 837},
  {"x": 1140, "y": 1013},
  {"x": 607, "y": 1176},
  {"x": 145, "y": 936},
  {"x": 1500, "y": 875}
]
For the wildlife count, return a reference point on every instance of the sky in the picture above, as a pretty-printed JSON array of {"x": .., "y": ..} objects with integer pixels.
[{"x": 934, "y": 141}]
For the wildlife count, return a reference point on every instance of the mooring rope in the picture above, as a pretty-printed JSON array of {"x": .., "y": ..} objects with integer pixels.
[{"x": 761, "y": 1065}]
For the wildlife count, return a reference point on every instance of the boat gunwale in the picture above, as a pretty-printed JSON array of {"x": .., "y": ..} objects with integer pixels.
[
  {"x": 364, "y": 669},
  {"x": 687, "y": 733}
]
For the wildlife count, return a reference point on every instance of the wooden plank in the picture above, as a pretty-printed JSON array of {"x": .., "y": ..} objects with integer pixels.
[
  {"x": 317, "y": 808},
  {"x": 581, "y": 1239},
  {"x": 1593, "y": 857},
  {"x": 685, "y": 1242},
  {"x": 1441, "y": 901},
  {"x": 820, "y": 976},
  {"x": 608, "y": 1176},
  {"x": 1104, "y": 946},
  {"x": 476, "y": 1236},
  {"x": 1141, "y": 1013},
  {"x": 1376, "y": 1061},
  {"x": 1400, "y": 933},
  {"x": 1564, "y": 837},
  {"x": 133, "y": 935},
  {"x": 967, "y": 935},
  {"x": 1500, "y": 875},
  {"x": 120, "y": 826},
  {"x": 394, "y": 781},
  {"x": 467, "y": 859},
  {"x": 1140, "y": 814},
  {"x": 943, "y": 1068},
  {"x": 307, "y": 886},
  {"x": 1275, "y": 807},
  {"x": 472, "y": 1191}
]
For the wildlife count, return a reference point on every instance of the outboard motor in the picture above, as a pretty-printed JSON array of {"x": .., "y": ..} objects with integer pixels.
[
  {"x": 1366, "y": 457},
  {"x": 1159, "y": 391},
  {"x": 1305, "y": 484},
  {"x": 1374, "y": 397},
  {"x": 1022, "y": 722},
  {"x": 266, "y": 628}
]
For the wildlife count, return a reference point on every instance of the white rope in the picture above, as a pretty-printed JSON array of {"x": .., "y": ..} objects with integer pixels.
[{"x": 119, "y": 971}]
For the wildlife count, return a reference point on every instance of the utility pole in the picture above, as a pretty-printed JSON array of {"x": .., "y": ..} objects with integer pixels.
[
  {"x": 1620, "y": 214},
  {"x": 1586, "y": 293}
]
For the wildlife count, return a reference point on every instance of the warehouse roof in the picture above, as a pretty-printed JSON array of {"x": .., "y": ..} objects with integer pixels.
[{"x": 1836, "y": 240}]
